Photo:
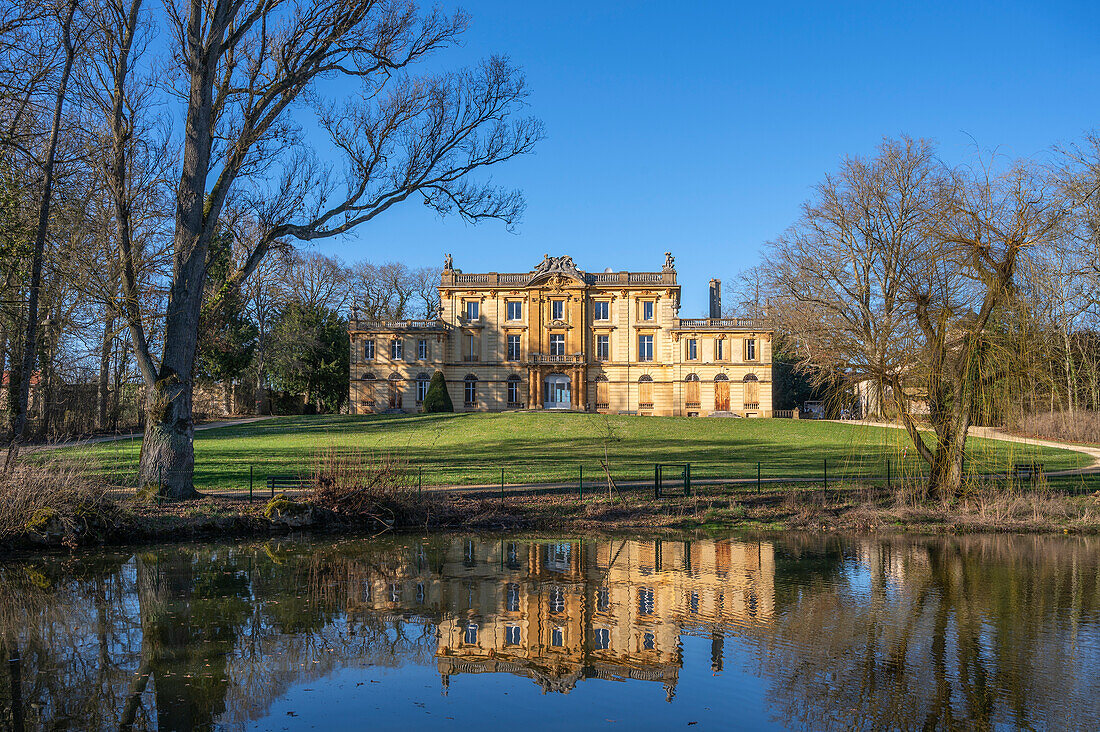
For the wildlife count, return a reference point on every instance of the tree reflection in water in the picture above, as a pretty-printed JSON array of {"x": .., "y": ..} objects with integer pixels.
[{"x": 870, "y": 633}]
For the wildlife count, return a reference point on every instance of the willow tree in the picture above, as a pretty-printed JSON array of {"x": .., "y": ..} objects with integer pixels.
[
  {"x": 249, "y": 75},
  {"x": 893, "y": 276}
]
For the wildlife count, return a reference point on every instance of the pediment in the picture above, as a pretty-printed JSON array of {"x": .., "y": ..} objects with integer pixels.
[{"x": 556, "y": 271}]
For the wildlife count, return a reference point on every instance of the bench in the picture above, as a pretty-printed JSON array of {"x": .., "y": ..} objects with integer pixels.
[
  {"x": 1027, "y": 471},
  {"x": 287, "y": 482}
]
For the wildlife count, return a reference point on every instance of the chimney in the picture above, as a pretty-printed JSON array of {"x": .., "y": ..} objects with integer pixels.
[{"x": 716, "y": 298}]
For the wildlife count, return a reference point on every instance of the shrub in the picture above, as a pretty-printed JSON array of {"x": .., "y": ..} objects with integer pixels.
[
  {"x": 357, "y": 483},
  {"x": 1081, "y": 426},
  {"x": 438, "y": 399}
]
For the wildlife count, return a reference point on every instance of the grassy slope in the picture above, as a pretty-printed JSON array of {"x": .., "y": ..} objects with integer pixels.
[{"x": 533, "y": 447}]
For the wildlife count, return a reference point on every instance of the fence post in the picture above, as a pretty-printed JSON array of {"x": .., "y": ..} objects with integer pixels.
[
  {"x": 271, "y": 483},
  {"x": 825, "y": 465},
  {"x": 887, "y": 473},
  {"x": 656, "y": 480},
  {"x": 758, "y": 477},
  {"x": 250, "y": 483},
  {"x": 687, "y": 479},
  {"x": 419, "y": 477},
  {"x": 580, "y": 484},
  {"x": 502, "y": 486}
]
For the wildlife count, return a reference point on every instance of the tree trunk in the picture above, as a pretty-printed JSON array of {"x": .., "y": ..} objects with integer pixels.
[
  {"x": 103, "y": 390},
  {"x": 30, "y": 339}
]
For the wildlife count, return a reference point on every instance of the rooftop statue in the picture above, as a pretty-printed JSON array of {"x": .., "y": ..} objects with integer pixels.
[
  {"x": 448, "y": 262},
  {"x": 670, "y": 261},
  {"x": 562, "y": 265}
]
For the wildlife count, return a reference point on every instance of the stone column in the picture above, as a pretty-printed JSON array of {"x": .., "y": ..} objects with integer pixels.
[
  {"x": 574, "y": 390},
  {"x": 538, "y": 389}
]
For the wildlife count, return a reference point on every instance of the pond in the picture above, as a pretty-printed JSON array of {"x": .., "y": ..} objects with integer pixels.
[{"x": 558, "y": 632}]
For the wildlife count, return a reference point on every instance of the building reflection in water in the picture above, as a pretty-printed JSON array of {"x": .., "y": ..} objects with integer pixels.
[{"x": 558, "y": 612}]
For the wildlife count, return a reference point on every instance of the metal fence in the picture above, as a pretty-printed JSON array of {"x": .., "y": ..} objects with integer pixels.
[{"x": 262, "y": 479}]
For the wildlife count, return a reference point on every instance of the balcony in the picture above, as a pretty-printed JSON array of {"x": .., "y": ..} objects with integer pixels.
[
  {"x": 752, "y": 405},
  {"x": 516, "y": 405},
  {"x": 645, "y": 405},
  {"x": 471, "y": 357},
  {"x": 602, "y": 405},
  {"x": 691, "y": 405},
  {"x": 542, "y": 358}
]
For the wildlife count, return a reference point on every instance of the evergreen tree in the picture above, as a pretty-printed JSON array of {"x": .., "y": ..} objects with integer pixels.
[{"x": 438, "y": 399}]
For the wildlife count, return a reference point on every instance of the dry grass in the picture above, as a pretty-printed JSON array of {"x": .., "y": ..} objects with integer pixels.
[
  {"x": 1081, "y": 426},
  {"x": 365, "y": 484},
  {"x": 59, "y": 497}
]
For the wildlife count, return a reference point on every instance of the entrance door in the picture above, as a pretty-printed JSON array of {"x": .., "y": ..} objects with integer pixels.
[
  {"x": 395, "y": 393},
  {"x": 721, "y": 396},
  {"x": 557, "y": 392}
]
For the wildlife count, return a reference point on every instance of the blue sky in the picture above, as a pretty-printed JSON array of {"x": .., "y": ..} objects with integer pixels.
[{"x": 700, "y": 127}]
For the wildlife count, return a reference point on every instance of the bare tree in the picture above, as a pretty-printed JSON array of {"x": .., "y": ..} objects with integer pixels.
[
  {"x": 70, "y": 40},
  {"x": 894, "y": 273},
  {"x": 243, "y": 64}
]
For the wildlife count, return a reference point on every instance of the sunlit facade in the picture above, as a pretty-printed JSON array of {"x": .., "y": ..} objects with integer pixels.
[{"x": 558, "y": 337}]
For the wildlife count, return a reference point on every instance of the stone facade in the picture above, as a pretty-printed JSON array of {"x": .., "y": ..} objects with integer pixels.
[{"x": 561, "y": 338}]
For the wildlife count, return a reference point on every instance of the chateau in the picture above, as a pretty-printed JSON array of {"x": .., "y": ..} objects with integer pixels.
[{"x": 558, "y": 337}]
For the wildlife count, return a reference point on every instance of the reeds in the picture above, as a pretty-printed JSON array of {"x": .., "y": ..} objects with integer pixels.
[{"x": 59, "y": 495}]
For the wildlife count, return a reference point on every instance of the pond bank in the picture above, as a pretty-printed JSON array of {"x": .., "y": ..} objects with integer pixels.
[{"x": 858, "y": 509}]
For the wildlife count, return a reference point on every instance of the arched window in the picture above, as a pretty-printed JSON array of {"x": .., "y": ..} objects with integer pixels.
[
  {"x": 691, "y": 393},
  {"x": 603, "y": 399},
  {"x": 513, "y": 391},
  {"x": 422, "y": 381},
  {"x": 752, "y": 392},
  {"x": 721, "y": 393},
  {"x": 645, "y": 392},
  {"x": 470, "y": 390}
]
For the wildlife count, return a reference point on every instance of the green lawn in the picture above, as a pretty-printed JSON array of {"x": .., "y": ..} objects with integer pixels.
[{"x": 536, "y": 447}]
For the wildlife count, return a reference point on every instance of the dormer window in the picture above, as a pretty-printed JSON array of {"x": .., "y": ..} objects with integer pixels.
[{"x": 557, "y": 309}]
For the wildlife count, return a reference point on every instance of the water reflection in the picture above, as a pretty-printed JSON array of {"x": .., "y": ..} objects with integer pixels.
[{"x": 794, "y": 632}]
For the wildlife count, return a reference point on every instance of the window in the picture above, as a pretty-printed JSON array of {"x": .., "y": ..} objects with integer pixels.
[
  {"x": 512, "y": 635},
  {"x": 396, "y": 349},
  {"x": 603, "y": 639},
  {"x": 513, "y": 348},
  {"x": 473, "y": 309},
  {"x": 515, "y": 310},
  {"x": 719, "y": 350},
  {"x": 368, "y": 350},
  {"x": 557, "y": 600},
  {"x": 601, "y": 310},
  {"x": 395, "y": 391},
  {"x": 420, "y": 593},
  {"x": 513, "y": 556},
  {"x": 645, "y": 392},
  {"x": 368, "y": 390},
  {"x": 470, "y": 390},
  {"x": 692, "y": 349},
  {"x": 645, "y": 348},
  {"x": 603, "y": 599},
  {"x": 395, "y": 592},
  {"x": 422, "y": 382},
  {"x": 603, "y": 347},
  {"x": 470, "y": 347},
  {"x": 470, "y": 637},
  {"x": 422, "y": 349},
  {"x": 557, "y": 637},
  {"x": 469, "y": 552},
  {"x": 511, "y": 598},
  {"x": 557, "y": 309},
  {"x": 557, "y": 344},
  {"x": 647, "y": 310},
  {"x": 645, "y": 601},
  {"x": 513, "y": 391},
  {"x": 558, "y": 556},
  {"x": 750, "y": 349},
  {"x": 693, "y": 602},
  {"x": 649, "y": 642}
]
